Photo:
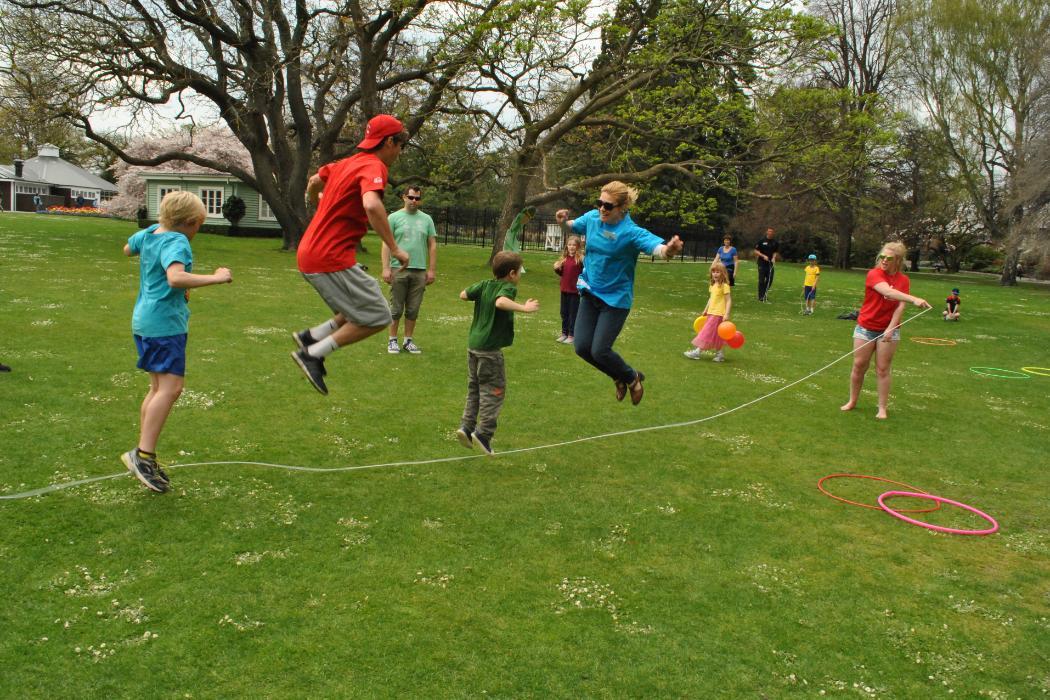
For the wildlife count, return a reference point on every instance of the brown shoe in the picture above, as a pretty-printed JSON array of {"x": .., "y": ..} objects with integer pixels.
[
  {"x": 637, "y": 390},
  {"x": 621, "y": 391}
]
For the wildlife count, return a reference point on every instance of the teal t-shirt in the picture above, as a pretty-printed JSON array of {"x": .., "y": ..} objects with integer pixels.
[
  {"x": 160, "y": 309},
  {"x": 611, "y": 256},
  {"x": 491, "y": 328},
  {"x": 412, "y": 233}
]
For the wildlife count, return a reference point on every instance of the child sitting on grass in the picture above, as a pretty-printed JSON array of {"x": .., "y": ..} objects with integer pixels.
[
  {"x": 951, "y": 306},
  {"x": 491, "y": 329},
  {"x": 161, "y": 320}
]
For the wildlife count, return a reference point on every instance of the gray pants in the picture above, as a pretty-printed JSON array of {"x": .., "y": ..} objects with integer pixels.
[{"x": 486, "y": 388}]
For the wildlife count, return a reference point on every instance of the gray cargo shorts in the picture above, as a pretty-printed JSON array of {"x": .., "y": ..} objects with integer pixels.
[{"x": 353, "y": 293}]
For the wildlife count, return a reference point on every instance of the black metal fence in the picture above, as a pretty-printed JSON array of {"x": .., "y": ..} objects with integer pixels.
[{"x": 480, "y": 226}]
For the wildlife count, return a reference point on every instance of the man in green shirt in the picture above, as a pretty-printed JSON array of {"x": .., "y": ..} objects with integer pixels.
[{"x": 415, "y": 234}]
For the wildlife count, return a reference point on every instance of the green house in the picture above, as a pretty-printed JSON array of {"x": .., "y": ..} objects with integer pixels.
[{"x": 213, "y": 189}]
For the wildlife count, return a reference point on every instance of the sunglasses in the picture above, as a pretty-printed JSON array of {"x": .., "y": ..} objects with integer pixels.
[
  {"x": 413, "y": 197},
  {"x": 880, "y": 257},
  {"x": 607, "y": 206}
]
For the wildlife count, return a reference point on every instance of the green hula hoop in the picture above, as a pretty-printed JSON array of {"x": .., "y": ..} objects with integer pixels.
[{"x": 1006, "y": 373}]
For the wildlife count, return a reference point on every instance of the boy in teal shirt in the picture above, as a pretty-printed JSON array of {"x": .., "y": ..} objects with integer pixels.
[
  {"x": 161, "y": 320},
  {"x": 491, "y": 330}
]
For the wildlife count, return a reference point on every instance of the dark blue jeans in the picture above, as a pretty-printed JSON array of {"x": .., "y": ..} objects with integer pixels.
[
  {"x": 765, "y": 279},
  {"x": 597, "y": 326},
  {"x": 570, "y": 306}
]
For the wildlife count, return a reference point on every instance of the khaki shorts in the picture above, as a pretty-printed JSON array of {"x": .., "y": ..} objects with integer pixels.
[
  {"x": 353, "y": 293},
  {"x": 406, "y": 292}
]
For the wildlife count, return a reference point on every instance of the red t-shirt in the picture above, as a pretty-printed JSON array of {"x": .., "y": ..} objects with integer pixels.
[
  {"x": 330, "y": 241},
  {"x": 570, "y": 272},
  {"x": 877, "y": 310}
]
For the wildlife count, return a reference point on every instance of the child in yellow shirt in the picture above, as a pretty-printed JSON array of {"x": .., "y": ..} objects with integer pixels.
[{"x": 810, "y": 284}]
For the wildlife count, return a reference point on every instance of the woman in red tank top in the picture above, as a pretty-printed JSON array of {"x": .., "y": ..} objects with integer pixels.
[{"x": 885, "y": 296}]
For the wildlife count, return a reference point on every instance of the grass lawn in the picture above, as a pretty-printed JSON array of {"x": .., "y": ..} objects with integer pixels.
[{"x": 694, "y": 561}]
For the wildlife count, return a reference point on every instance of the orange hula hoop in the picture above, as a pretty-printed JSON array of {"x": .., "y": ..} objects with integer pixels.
[{"x": 820, "y": 486}]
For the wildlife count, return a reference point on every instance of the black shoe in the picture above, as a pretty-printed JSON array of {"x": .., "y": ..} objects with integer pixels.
[
  {"x": 145, "y": 470},
  {"x": 313, "y": 368},
  {"x": 4, "y": 368},
  {"x": 483, "y": 443},
  {"x": 303, "y": 339}
]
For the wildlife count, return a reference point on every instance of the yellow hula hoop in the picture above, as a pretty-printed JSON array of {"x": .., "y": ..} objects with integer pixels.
[
  {"x": 1037, "y": 371},
  {"x": 934, "y": 341}
]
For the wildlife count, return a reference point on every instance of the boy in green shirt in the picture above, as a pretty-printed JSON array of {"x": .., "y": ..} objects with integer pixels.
[{"x": 491, "y": 330}]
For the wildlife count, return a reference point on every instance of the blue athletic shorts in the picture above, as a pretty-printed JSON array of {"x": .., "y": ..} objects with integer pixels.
[
  {"x": 811, "y": 292},
  {"x": 164, "y": 355},
  {"x": 862, "y": 333}
]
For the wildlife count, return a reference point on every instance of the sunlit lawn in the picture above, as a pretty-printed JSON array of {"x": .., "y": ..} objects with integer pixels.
[{"x": 691, "y": 561}]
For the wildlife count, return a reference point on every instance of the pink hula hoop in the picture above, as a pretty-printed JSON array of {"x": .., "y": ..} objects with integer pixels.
[{"x": 939, "y": 499}]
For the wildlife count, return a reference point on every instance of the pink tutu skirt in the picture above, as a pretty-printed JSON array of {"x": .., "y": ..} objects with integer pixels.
[{"x": 708, "y": 338}]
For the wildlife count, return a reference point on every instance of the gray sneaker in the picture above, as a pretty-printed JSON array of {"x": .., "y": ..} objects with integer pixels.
[
  {"x": 392, "y": 347},
  {"x": 463, "y": 435},
  {"x": 411, "y": 347},
  {"x": 145, "y": 470},
  {"x": 482, "y": 442}
]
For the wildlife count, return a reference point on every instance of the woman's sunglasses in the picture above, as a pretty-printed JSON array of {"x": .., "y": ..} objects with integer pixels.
[
  {"x": 880, "y": 257},
  {"x": 607, "y": 206}
]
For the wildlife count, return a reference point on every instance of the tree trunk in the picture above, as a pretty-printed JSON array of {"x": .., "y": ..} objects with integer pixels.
[
  {"x": 1009, "y": 276},
  {"x": 844, "y": 237},
  {"x": 517, "y": 189}
]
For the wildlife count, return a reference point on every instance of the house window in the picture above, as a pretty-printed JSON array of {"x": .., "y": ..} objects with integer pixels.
[
  {"x": 162, "y": 192},
  {"x": 30, "y": 189},
  {"x": 212, "y": 201},
  {"x": 265, "y": 212}
]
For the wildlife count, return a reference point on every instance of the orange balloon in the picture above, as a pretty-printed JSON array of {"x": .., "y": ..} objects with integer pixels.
[
  {"x": 736, "y": 341},
  {"x": 726, "y": 329}
]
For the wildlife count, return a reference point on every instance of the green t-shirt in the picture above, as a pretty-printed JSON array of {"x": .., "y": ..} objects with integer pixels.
[
  {"x": 412, "y": 233},
  {"x": 491, "y": 328}
]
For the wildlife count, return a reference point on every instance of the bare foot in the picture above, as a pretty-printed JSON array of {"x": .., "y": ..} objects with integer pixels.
[
  {"x": 848, "y": 406},
  {"x": 881, "y": 415}
]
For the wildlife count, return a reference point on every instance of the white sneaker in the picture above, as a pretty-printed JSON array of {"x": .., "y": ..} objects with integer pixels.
[
  {"x": 411, "y": 347},
  {"x": 693, "y": 354},
  {"x": 719, "y": 357},
  {"x": 561, "y": 338},
  {"x": 392, "y": 346}
]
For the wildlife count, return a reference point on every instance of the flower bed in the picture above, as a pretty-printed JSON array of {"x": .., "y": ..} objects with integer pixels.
[{"x": 77, "y": 211}]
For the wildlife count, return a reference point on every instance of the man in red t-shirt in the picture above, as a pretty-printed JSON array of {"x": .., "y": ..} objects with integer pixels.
[{"x": 327, "y": 255}]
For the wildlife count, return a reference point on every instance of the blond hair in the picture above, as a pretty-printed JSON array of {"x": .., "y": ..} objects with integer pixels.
[
  {"x": 180, "y": 209},
  {"x": 899, "y": 251},
  {"x": 716, "y": 266},
  {"x": 625, "y": 196},
  {"x": 579, "y": 247}
]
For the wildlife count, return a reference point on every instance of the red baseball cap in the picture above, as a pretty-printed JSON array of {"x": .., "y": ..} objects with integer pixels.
[{"x": 379, "y": 127}]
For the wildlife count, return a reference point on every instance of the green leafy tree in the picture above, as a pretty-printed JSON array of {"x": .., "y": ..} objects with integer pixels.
[
  {"x": 979, "y": 70},
  {"x": 234, "y": 209}
]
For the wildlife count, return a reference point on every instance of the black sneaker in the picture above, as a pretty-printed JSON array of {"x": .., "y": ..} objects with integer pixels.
[
  {"x": 4, "y": 368},
  {"x": 303, "y": 339},
  {"x": 145, "y": 470},
  {"x": 463, "y": 435},
  {"x": 313, "y": 368},
  {"x": 483, "y": 443}
]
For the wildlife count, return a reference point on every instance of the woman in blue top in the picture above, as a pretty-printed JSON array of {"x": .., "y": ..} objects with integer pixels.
[
  {"x": 728, "y": 255},
  {"x": 607, "y": 282}
]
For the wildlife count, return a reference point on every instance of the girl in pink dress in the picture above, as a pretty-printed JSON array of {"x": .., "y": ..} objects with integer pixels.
[{"x": 717, "y": 310}]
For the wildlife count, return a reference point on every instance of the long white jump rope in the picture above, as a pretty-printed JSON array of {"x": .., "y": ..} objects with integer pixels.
[{"x": 81, "y": 482}]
